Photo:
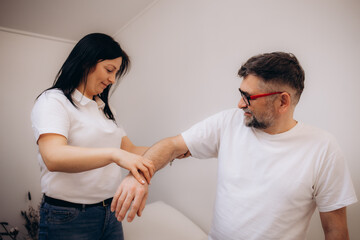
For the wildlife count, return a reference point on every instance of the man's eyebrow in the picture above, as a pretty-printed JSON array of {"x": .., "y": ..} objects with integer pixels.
[{"x": 245, "y": 93}]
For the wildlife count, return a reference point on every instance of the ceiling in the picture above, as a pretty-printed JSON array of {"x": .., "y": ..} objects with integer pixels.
[{"x": 70, "y": 19}]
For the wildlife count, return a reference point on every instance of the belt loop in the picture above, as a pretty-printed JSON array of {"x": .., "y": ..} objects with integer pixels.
[
  {"x": 42, "y": 200},
  {"x": 103, "y": 203},
  {"x": 83, "y": 207}
]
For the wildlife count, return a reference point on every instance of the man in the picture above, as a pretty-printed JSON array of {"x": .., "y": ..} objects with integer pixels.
[{"x": 273, "y": 170}]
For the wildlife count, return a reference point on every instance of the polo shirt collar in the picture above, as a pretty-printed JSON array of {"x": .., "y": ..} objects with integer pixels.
[
  {"x": 82, "y": 100},
  {"x": 99, "y": 102}
]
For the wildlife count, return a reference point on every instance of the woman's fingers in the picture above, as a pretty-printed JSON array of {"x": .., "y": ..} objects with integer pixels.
[
  {"x": 150, "y": 165},
  {"x": 137, "y": 175},
  {"x": 147, "y": 168},
  {"x": 138, "y": 166},
  {"x": 145, "y": 171}
]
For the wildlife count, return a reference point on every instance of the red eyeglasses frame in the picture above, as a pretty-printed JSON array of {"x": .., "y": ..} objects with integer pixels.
[{"x": 248, "y": 98}]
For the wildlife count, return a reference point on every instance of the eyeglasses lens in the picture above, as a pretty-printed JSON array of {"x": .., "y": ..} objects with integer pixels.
[{"x": 246, "y": 101}]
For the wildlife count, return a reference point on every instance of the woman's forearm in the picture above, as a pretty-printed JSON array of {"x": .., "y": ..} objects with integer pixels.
[
  {"x": 72, "y": 159},
  {"x": 58, "y": 156}
]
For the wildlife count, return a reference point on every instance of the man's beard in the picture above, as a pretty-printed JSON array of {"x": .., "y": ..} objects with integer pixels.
[{"x": 262, "y": 122}]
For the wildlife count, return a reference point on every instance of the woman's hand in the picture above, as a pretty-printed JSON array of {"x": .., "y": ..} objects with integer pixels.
[{"x": 134, "y": 163}]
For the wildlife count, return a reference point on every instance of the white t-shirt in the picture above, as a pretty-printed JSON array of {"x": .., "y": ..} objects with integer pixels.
[
  {"x": 269, "y": 185},
  {"x": 85, "y": 126}
]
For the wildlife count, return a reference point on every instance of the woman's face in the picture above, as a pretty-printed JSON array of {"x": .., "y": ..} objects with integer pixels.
[{"x": 103, "y": 74}]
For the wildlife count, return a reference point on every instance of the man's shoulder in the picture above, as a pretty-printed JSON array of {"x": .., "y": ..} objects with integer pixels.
[
  {"x": 314, "y": 130},
  {"x": 222, "y": 119},
  {"x": 317, "y": 135}
]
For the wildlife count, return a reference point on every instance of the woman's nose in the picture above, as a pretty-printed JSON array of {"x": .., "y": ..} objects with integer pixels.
[{"x": 112, "y": 79}]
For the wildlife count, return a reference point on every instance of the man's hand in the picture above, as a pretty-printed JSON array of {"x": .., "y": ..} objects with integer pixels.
[
  {"x": 134, "y": 194},
  {"x": 130, "y": 192}
]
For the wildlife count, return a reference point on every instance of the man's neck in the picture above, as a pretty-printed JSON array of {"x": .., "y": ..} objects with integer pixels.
[{"x": 281, "y": 127}]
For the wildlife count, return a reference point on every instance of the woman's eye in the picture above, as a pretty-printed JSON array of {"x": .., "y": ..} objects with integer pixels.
[{"x": 109, "y": 70}]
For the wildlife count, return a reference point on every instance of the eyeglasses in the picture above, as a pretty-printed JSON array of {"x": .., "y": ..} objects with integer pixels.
[{"x": 247, "y": 98}]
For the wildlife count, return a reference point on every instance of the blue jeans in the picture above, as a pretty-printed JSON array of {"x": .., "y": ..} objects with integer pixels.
[{"x": 63, "y": 223}]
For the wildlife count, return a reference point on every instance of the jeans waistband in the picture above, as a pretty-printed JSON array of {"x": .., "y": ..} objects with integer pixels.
[{"x": 62, "y": 203}]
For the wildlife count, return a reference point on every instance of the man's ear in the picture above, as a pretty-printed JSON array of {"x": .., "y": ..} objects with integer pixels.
[{"x": 285, "y": 102}]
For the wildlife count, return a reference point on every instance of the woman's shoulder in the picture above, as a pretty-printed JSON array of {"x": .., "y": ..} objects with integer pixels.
[
  {"x": 51, "y": 97},
  {"x": 52, "y": 94}
]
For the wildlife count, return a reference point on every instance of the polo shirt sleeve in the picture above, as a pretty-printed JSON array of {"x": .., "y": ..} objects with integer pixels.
[
  {"x": 49, "y": 115},
  {"x": 120, "y": 126},
  {"x": 203, "y": 139},
  {"x": 334, "y": 188}
]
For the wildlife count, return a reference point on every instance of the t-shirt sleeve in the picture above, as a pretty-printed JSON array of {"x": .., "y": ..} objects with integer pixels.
[
  {"x": 334, "y": 188},
  {"x": 50, "y": 116},
  {"x": 203, "y": 139}
]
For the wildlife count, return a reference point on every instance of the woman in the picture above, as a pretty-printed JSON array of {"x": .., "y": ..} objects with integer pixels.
[{"x": 82, "y": 146}]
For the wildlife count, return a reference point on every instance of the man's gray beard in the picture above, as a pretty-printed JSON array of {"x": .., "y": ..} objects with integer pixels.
[{"x": 253, "y": 122}]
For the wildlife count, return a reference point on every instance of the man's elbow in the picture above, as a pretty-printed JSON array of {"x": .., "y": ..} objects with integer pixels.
[{"x": 336, "y": 234}]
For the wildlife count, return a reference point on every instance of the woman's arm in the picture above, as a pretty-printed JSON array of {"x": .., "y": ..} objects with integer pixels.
[
  {"x": 58, "y": 156},
  {"x": 127, "y": 145}
]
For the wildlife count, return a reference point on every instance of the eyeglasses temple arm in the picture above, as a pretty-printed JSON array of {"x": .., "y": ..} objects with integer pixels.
[{"x": 263, "y": 95}]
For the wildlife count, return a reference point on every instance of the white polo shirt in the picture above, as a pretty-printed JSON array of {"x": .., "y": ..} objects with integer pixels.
[{"x": 85, "y": 126}]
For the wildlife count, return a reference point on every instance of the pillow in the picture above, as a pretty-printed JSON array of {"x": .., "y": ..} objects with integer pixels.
[{"x": 160, "y": 221}]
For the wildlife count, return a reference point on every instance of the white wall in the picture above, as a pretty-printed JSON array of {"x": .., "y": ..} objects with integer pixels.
[
  {"x": 28, "y": 65},
  {"x": 185, "y": 57}
]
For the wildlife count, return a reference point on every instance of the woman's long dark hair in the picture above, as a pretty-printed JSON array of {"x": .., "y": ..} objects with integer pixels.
[{"x": 90, "y": 50}]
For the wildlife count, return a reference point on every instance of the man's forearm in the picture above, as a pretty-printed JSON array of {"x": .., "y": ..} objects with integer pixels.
[
  {"x": 161, "y": 153},
  {"x": 334, "y": 224},
  {"x": 166, "y": 150}
]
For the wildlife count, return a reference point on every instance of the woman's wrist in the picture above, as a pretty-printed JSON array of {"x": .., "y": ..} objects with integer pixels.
[{"x": 113, "y": 155}]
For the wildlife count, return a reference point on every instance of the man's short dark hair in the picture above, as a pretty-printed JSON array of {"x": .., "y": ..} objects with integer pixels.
[{"x": 277, "y": 68}]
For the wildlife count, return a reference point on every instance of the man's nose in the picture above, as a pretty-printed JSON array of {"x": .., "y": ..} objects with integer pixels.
[{"x": 242, "y": 104}]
